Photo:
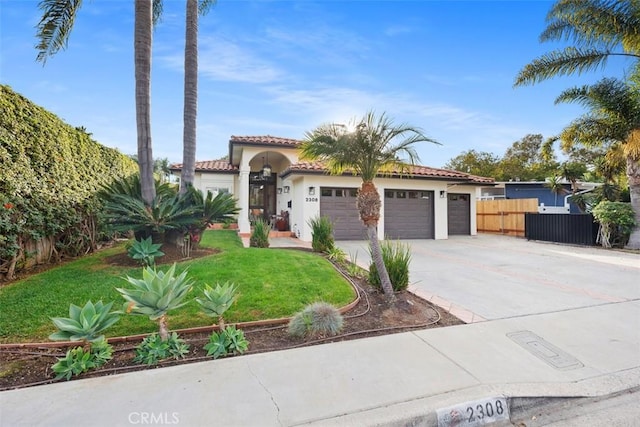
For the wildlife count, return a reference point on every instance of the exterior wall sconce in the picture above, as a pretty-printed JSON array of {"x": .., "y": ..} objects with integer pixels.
[
  {"x": 443, "y": 194},
  {"x": 286, "y": 189},
  {"x": 312, "y": 191},
  {"x": 279, "y": 190}
]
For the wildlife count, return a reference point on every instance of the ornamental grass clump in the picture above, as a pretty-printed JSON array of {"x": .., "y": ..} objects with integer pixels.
[
  {"x": 260, "y": 234},
  {"x": 317, "y": 319},
  {"x": 321, "y": 234},
  {"x": 396, "y": 256}
]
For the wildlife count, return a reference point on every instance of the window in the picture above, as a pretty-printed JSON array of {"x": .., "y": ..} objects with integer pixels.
[
  {"x": 217, "y": 190},
  {"x": 388, "y": 194},
  {"x": 353, "y": 192},
  {"x": 340, "y": 192},
  {"x": 401, "y": 194},
  {"x": 413, "y": 194},
  {"x": 326, "y": 192}
]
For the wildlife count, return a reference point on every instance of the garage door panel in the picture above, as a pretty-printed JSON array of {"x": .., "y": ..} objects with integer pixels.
[
  {"x": 459, "y": 214},
  {"x": 339, "y": 204},
  {"x": 408, "y": 214}
]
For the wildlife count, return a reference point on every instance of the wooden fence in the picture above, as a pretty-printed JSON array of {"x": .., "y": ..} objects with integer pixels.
[{"x": 504, "y": 216}]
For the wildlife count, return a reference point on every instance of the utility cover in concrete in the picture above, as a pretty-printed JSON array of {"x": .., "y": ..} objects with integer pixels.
[{"x": 545, "y": 350}]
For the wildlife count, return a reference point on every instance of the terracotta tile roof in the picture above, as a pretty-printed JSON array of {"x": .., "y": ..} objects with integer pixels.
[
  {"x": 416, "y": 171},
  {"x": 210, "y": 166},
  {"x": 264, "y": 140}
]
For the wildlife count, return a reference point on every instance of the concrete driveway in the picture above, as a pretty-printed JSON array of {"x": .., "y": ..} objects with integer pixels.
[{"x": 495, "y": 277}]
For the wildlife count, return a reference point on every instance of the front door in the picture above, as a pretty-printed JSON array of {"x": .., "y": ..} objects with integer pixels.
[{"x": 262, "y": 196}]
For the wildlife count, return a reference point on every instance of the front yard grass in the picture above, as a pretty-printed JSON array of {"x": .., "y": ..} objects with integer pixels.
[{"x": 272, "y": 283}]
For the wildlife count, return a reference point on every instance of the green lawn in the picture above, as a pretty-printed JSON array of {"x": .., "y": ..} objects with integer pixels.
[{"x": 272, "y": 283}]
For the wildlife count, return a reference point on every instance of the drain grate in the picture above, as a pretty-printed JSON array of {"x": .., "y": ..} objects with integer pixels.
[{"x": 545, "y": 350}]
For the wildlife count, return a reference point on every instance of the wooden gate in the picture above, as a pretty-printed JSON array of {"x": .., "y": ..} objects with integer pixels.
[{"x": 504, "y": 216}]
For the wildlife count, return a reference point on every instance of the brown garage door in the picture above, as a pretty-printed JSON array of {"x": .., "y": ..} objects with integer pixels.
[
  {"x": 459, "y": 214},
  {"x": 339, "y": 204},
  {"x": 408, "y": 214}
]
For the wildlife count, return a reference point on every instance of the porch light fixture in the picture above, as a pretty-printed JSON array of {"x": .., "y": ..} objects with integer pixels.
[
  {"x": 442, "y": 194},
  {"x": 266, "y": 169},
  {"x": 312, "y": 191},
  {"x": 286, "y": 189}
]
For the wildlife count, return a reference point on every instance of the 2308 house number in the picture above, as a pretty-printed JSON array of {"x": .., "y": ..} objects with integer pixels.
[
  {"x": 311, "y": 199},
  {"x": 475, "y": 413}
]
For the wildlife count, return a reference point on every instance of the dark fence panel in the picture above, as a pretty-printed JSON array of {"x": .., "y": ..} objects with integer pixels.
[{"x": 577, "y": 229}]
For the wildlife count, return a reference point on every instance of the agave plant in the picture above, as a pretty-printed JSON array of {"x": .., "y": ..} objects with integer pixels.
[
  {"x": 84, "y": 324},
  {"x": 156, "y": 294},
  {"x": 218, "y": 300},
  {"x": 145, "y": 251}
]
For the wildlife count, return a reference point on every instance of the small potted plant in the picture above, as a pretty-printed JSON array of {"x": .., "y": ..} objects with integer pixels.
[{"x": 282, "y": 224}]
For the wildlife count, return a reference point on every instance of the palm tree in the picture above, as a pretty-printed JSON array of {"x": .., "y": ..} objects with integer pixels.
[
  {"x": 600, "y": 29},
  {"x": 373, "y": 148},
  {"x": 194, "y": 8},
  {"x": 613, "y": 121},
  {"x": 53, "y": 33},
  {"x": 554, "y": 184}
]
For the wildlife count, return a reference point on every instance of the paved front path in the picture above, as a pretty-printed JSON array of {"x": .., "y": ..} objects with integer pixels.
[{"x": 495, "y": 277}]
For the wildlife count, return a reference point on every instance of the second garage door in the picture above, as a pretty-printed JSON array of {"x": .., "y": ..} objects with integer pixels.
[
  {"x": 459, "y": 214},
  {"x": 339, "y": 204},
  {"x": 408, "y": 214}
]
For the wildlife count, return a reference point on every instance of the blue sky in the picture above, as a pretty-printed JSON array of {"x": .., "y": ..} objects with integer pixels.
[{"x": 284, "y": 67}]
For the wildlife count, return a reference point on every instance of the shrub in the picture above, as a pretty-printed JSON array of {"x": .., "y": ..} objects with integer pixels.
[
  {"x": 396, "y": 256},
  {"x": 217, "y": 300},
  {"x": 336, "y": 254},
  {"x": 156, "y": 294},
  {"x": 228, "y": 341},
  {"x": 319, "y": 318},
  {"x": 154, "y": 349},
  {"x": 321, "y": 234},
  {"x": 145, "y": 251},
  {"x": 78, "y": 361},
  {"x": 84, "y": 324},
  {"x": 260, "y": 234},
  {"x": 617, "y": 221}
]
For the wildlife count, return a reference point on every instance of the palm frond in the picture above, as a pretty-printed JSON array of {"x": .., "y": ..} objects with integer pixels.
[
  {"x": 601, "y": 23},
  {"x": 54, "y": 28},
  {"x": 205, "y": 6},
  {"x": 562, "y": 62}
]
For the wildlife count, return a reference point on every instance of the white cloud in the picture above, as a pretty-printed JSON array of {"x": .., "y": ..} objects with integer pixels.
[
  {"x": 395, "y": 30},
  {"x": 220, "y": 59}
]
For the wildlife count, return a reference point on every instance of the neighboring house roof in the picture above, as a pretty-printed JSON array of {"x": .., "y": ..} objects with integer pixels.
[{"x": 414, "y": 171}]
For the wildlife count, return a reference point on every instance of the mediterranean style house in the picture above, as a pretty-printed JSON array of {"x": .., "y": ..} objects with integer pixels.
[{"x": 267, "y": 178}]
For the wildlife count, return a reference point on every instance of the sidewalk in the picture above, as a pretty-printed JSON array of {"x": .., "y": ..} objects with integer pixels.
[{"x": 393, "y": 379}]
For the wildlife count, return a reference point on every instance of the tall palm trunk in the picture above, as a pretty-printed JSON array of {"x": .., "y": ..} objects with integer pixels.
[
  {"x": 633, "y": 175},
  {"x": 142, "y": 54},
  {"x": 190, "y": 96},
  {"x": 369, "y": 207}
]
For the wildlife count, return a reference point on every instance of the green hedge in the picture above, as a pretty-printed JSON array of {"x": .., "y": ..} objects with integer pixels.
[{"x": 50, "y": 174}]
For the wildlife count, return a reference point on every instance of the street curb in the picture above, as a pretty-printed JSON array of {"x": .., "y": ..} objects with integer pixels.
[{"x": 524, "y": 402}]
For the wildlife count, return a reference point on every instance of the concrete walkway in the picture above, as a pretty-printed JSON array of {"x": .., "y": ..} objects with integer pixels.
[
  {"x": 584, "y": 347},
  {"x": 397, "y": 378}
]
